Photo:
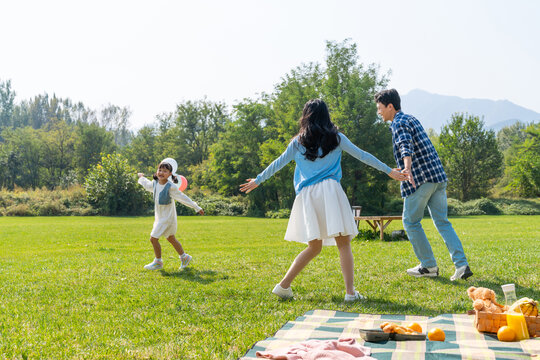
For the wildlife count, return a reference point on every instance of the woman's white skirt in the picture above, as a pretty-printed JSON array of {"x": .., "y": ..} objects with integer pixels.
[{"x": 321, "y": 211}]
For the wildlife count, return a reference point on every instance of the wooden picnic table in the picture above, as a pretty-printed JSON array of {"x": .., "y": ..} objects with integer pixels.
[{"x": 378, "y": 222}]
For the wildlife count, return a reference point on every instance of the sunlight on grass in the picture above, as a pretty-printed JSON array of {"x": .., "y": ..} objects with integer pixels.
[{"x": 75, "y": 287}]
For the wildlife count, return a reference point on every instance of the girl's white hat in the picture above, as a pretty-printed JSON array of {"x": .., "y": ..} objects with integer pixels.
[{"x": 173, "y": 164}]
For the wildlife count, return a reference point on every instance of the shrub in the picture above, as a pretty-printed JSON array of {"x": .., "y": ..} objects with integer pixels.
[
  {"x": 393, "y": 207},
  {"x": 19, "y": 210},
  {"x": 455, "y": 207},
  {"x": 520, "y": 209},
  {"x": 485, "y": 206},
  {"x": 112, "y": 188},
  {"x": 213, "y": 204},
  {"x": 51, "y": 207},
  {"x": 278, "y": 214}
]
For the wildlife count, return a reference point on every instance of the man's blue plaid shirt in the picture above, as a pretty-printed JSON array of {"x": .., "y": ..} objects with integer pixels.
[{"x": 410, "y": 139}]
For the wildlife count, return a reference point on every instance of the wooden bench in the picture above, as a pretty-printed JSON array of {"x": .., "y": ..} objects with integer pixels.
[{"x": 378, "y": 222}]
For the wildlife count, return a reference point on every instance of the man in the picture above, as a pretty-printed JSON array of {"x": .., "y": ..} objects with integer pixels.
[{"x": 426, "y": 186}]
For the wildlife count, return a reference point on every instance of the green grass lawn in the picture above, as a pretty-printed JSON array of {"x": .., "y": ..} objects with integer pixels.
[{"x": 75, "y": 287}]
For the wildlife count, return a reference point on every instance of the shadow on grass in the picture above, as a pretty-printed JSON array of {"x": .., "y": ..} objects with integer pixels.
[
  {"x": 194, "y": 275},
  {"x": 495, "y": 285},
  {"x": 380, "y": 305}
]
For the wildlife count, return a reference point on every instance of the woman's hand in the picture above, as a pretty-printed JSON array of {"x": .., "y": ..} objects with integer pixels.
[
  {"x": 250, "y": 185},
  {"x": 396, "y": 174}
]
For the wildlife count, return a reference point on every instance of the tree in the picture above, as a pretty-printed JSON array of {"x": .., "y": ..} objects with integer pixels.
[
  {"x": 58, "y": 143},
  {"x": 236, "y": 155},
  {"x": 470, "y": 156},
  {"x": 92, "y": 141},
  {"x": 349, "y": 89},
  {"x": 141, "y": 151},
  {"x": 199, "y": 124},
  {"x": 116, "y": 119},
  {"x": 7, "y": 97},
  {"x": 21, "y": 156},
  {"x": 510, "y": 135},
  {"x": 525, "y": 166}
]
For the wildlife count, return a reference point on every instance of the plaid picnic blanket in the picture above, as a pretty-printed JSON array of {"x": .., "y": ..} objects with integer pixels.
[{"x": 463, "y": 341}]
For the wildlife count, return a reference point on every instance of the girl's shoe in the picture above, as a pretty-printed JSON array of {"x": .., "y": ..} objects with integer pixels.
[
  {"x": 282, "y": 293},
  {"x": 185, "y": 260},
  {"x": 355, "y": 297},
  {"x": 154, "y": 265}
]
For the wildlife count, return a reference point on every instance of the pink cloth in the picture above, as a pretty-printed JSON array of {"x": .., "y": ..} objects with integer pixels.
[{"x": 342, "y": 349}]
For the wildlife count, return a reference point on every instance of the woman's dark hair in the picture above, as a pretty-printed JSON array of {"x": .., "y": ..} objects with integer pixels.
[
  {"x": 317, "y": 130},
  {"x": 168, "y": 167},
  {"x": 386, "y": 97}
]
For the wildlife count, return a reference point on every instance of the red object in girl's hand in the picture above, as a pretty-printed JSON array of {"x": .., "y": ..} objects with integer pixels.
[{"x": 183, "y": 183}]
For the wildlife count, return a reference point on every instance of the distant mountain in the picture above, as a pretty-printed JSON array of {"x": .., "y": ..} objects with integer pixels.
[{"x": 434, "y": 110}]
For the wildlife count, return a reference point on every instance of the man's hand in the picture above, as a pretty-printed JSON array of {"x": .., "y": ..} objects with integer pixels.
[
  {"x": 250, "y": 185},
  {"x": 200, "y": 212},
  {"x": 408, "y": 174},
  {"x": 140, "y": 175},
  {"x": 396, "y": 174},
  {"x": 407, "y": 161}
]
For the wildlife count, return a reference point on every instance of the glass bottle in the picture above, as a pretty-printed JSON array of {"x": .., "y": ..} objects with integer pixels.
[{"x": 514, "y": 318}]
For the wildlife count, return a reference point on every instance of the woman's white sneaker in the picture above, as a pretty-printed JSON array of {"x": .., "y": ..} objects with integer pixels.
[
  {"x": 282, "y": 293},
  {"x": 355, "y": 297}
]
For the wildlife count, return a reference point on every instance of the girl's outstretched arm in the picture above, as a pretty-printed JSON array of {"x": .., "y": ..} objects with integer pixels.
[
  {"x": 286, "y": 157},
  {"x": 274, "y": 167},
  {"x": 369, "y": 159},
  {"x": 177, "y": 195},
  {"x": 147, "y": 184}
]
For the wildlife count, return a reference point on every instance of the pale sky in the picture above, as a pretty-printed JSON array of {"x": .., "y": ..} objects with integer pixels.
[{"x": 151, "y": 55}]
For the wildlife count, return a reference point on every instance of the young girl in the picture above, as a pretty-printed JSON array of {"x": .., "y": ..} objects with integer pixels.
[
  {"x": 165, "y": 192},
  {"x": 321, "y": 214}
]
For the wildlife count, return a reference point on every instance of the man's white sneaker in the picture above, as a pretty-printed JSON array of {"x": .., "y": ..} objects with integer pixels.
[
  {"x": 463, "y": 272},
  {"x": 282, "y": 293},
  {"x": 185, "y": 260},
  {"x": 154, "y": 265},
  {"x": 420, "y": 271},
  {"x": 355, "y": 297}
]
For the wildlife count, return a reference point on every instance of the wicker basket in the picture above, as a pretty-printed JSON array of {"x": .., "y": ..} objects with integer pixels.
[{"x": 489, "y": 322}]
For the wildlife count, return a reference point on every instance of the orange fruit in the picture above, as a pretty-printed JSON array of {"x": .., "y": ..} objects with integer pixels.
[
  {"x": 415, "y": 326},
  {"x": 436, "y": 334},
  {"x": 506, "y": 334}
]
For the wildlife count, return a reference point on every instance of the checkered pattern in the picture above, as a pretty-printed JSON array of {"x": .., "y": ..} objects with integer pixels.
[
  {"x": 463, "y": 341},
  {"x": 410, "y": 139}
]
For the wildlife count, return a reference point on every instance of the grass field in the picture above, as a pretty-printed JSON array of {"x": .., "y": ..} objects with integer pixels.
[{"x": 75, "y": 287}]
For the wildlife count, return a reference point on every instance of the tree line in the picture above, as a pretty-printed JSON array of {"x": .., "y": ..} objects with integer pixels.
[{"x": 53, "y": 142}]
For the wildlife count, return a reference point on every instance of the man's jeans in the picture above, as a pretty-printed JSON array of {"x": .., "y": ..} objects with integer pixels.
[{"x": 434, "y": 197}]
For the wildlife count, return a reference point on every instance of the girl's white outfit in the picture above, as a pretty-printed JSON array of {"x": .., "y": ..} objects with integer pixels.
[
  {"x": 166, "y": 223},
  {"x": 321, "y": 209}
]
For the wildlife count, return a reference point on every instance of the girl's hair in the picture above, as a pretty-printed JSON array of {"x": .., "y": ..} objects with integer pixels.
[
  {"x": 317, "y": 130},
  {"x": 168, "y": 167}
]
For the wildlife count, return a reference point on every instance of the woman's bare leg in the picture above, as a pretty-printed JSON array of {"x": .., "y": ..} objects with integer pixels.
[
  {"x": 347, "y": 262},
  {"x": 300, "y": 262}
]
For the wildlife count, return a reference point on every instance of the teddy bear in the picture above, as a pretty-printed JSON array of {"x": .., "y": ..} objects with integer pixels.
[{"x": 484, "y": 300}]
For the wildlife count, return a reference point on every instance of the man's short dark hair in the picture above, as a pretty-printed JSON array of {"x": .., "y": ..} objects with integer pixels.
[{"x": 386, "y": 97}]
